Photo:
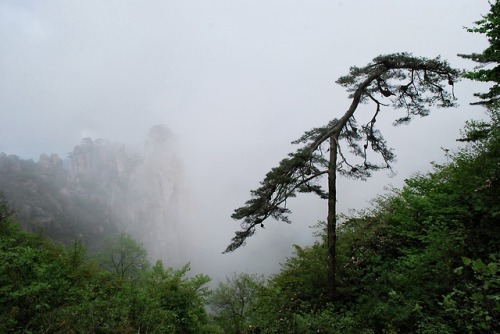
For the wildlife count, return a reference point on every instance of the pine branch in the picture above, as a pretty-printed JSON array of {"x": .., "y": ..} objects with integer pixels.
[{"x": 425, "y": 85}]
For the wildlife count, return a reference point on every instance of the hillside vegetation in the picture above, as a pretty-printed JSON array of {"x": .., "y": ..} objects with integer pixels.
[{"x": 422, "y": 259}]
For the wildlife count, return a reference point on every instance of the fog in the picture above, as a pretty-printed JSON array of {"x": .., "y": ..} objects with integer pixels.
[{"x": 235, "y": 81}]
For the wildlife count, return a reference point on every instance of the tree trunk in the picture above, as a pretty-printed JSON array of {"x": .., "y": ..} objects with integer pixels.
[{"x": 331, "y": 223}]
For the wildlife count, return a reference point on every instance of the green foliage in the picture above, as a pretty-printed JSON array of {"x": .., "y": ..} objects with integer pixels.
[
  {"x": 422, "y": 259},
  {"x": 233, "y": 302},
  {"x": 297, "y": 173},
  {"x": 328, "y": 320},
  {"x": 397, "y": 261},
  {"x": 303, "y": 276},
  {"x": 474, "y": 306},
  {"x": 173, "y": 303},
  {"x": 405, "y": 251},
  {"x": 489, "y": 26},
  {"x": 122, "y": 256},
  {"x": 399, "y": 80},
  {"x": 414, "y": 83},
  {"x": 298, "y": 289},
  {"x": 49, "y": 288}
]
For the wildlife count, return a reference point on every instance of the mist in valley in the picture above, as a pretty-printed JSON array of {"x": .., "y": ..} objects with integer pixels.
[{"x": 157, "y": 118}]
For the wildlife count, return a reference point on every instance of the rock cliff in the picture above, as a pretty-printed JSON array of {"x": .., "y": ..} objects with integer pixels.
[{"x": 101, "y": 189}]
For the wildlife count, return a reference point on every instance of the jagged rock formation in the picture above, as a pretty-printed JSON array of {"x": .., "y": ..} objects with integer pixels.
[
  {"x": 154, "y": 195},
  {"x": 101, "y": 189}
]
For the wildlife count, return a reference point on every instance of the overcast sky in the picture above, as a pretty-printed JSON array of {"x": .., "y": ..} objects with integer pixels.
[{"x": 235, "y": 80}]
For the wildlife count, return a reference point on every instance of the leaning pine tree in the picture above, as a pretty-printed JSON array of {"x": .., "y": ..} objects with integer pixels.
[{"x": 398, "y": 81}]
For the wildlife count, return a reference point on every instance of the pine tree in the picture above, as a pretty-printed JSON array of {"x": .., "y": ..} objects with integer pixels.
[{"x": 400, "y": 81}]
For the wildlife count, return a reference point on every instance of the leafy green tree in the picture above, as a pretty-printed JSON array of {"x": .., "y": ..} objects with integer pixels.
[
  {"x": 399, "y": 257},
  {"x": 474, "y": 306},
  {"x": 233, "y": 301},
  {"x": 176, "y": 304},
  {"x": 303, "y": 277},
  {"x": 123, "y": 256},
  {"x": 295, "y": 299},
  {"x": 297, "y": 289},
  {"x": 46, "y": 287},
  {"x": 39, "y": 280},
  {"x": 397, "y": 80},
  {"x": 30, "y": 278},
  {"x": 488, "y": 70},
  {"x": 489, "y": 60}
]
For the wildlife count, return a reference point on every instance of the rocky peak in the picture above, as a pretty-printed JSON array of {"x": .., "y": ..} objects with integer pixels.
[{"x": 105, "y": 189}]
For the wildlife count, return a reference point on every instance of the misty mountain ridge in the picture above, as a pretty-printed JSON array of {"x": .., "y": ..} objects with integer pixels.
[{"x": 101, "y": 189}]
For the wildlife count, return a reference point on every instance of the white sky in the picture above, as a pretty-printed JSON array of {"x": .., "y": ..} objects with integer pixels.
[{"x": 235, "y": 80}]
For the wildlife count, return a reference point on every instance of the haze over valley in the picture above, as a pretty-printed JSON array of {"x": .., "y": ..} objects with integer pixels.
[{"x": 234, "y": 83}]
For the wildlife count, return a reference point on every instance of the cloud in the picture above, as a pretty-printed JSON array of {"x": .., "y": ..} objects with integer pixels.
[{"x": 236, "y": 81}]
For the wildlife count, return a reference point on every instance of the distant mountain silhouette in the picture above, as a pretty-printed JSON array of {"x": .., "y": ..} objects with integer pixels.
[{"x": 99, "y": 190}]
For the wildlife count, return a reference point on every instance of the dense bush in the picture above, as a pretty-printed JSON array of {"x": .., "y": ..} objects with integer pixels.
[{"x": 49, "y": 288}]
